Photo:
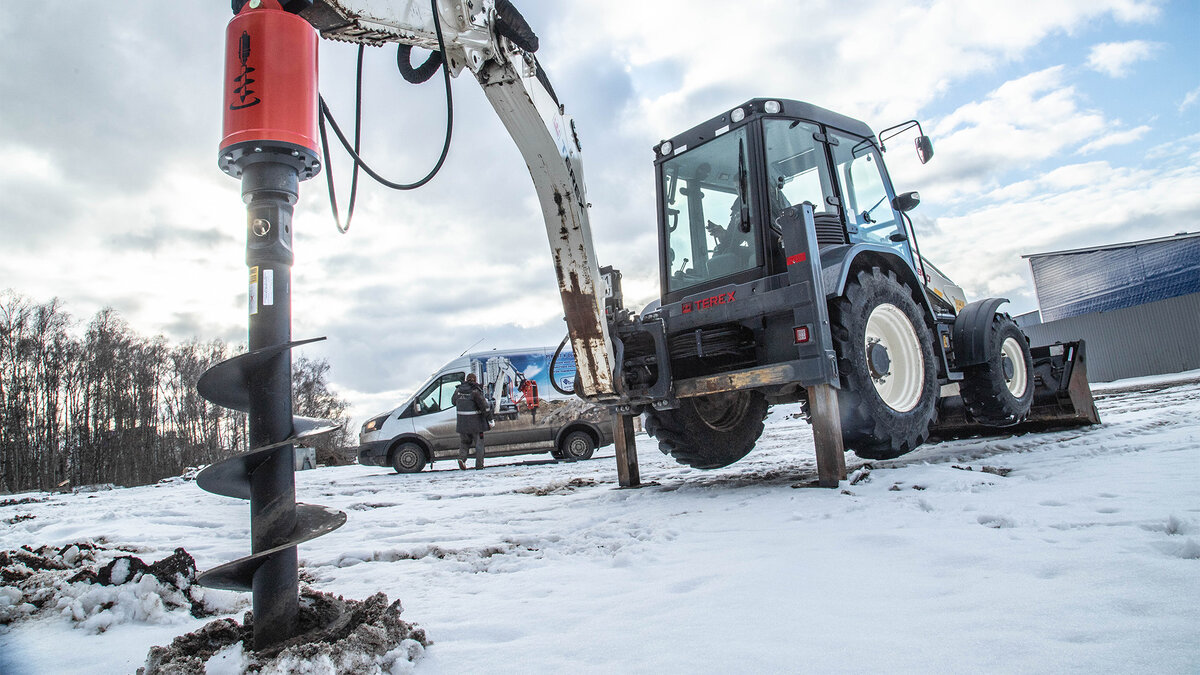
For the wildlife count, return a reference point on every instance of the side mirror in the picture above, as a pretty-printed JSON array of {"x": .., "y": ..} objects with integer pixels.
[
  {"x": 416, "y": 407},
  {"x": 907, "y": 201},
  {"x": 924, "y": 149}
]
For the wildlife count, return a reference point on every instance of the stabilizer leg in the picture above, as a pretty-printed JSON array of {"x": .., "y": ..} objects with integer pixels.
[
  {"x": 628, "y": 474},
  {"x": 827, "y": 435}
]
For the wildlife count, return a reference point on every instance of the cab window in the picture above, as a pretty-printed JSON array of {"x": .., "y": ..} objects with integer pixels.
[
  {"x": 795, "y": 167},
  {"x": 868, "y": 206},
  {"x": 436, "y": 397},
  {"x": 706, "y": 193}
]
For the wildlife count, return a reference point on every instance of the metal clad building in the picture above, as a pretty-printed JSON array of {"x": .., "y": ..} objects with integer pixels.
[
  {"x": 1149, "y": 339},
  {"x": 1083, "y": 281}
]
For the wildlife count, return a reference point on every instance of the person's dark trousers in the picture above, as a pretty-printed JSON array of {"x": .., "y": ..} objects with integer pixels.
[
  {"x": 465, "y": 441},
  {"x": 464, "y": 449}
]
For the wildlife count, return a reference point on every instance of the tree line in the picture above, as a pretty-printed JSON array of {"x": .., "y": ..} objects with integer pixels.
[{"x": 112, "y": 406}]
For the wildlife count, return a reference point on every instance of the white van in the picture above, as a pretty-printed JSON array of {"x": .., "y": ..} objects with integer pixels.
[{"x": 531, "y": 415}]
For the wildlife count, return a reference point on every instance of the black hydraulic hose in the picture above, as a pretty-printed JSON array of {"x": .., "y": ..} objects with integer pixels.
[
  {"x": 513, "y": 26},
  {"x": 554, "y": 360},
  {"x": 357, "y": 141},
  {"x": 353, "y": 152},
  {"x": 420, "y": 74},
  {"x": 510, "y": 24}
]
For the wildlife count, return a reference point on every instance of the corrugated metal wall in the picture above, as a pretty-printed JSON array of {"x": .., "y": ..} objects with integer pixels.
[
  {"x": 1150, "y": 339},
  {"x": 1075, "y": 283}
]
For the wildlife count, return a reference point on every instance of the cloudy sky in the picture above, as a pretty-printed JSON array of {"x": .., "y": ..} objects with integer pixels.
[{"x": 1057, "y": 124}]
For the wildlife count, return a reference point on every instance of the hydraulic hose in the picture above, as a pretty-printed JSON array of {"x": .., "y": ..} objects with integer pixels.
[
  {"x": 553, "y": 361},
  {"x": 402, "y": 59},
  {"x": 420, "y": 74}
]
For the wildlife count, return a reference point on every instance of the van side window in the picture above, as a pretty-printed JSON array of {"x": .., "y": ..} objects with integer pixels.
[{"x": 436, "y": 396}]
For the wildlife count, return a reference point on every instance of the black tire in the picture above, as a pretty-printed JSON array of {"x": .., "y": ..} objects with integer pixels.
[
  {"x": 577, "y": 446},
  {"x": 557, "y": 454},
  {"x": 709, "y": 432},
  {"x": 1000, "y": 391},
  {"x": 408, "y": 458},
  {"x": 883, "y": 415}
]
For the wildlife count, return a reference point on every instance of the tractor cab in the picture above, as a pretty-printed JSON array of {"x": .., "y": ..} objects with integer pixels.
[
  {"x": 789, "y": 271},
  {"x": 723, "y": 184}
]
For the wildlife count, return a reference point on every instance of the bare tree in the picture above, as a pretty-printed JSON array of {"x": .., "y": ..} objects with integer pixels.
[
  {"x": 311, "y": 397},
  {"x": 116, "y": 407}
]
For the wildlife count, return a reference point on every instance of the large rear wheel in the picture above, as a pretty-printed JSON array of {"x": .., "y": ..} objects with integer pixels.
[
  {"x": 888, "y": 395},
  {"x": 999, "y": 391},
  {"x": 709, "y": 432}
]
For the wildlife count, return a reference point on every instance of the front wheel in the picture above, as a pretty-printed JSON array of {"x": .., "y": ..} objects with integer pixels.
[
  {"x": 999, "y": 391},
  {"x": 408, "y": 458},
  {"x": 577, "y": 446},
  {"x": 888, "y": 395},
  {"x": 709, "y": 432}
]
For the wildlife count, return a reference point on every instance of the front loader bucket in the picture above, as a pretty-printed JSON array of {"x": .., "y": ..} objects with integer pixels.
[{"x": 1061, "y": 397}]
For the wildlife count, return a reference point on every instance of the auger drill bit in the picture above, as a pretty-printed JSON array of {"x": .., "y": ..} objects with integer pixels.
[{"x": 269, "y": 143}]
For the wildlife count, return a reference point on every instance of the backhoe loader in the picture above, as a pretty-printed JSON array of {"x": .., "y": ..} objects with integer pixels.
[{"x": 787, "y": 261}]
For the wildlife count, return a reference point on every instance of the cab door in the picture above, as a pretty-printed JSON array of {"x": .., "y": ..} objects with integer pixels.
[
  {"x": 434, "y": 416},
  {"x": 866, "y": 195}
]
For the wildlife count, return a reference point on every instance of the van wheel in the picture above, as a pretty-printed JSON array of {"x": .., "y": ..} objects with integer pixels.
[
  {"x": 408, "y": 458},
  {"x": 577, "y": 446}
]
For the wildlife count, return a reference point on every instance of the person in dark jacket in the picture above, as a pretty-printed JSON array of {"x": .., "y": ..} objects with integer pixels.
[{"x": 474, "y": 418}]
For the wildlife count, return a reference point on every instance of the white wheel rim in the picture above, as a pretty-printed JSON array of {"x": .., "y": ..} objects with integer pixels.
[
  {"x": 1020, "y": 377},
  {"x": 900, "y": 388}
]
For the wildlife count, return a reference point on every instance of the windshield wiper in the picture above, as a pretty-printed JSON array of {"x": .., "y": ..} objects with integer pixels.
[{"x": 743, "y": 188}]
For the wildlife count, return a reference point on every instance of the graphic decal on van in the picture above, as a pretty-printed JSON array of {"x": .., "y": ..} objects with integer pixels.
[{"x": 519, "y": 388}]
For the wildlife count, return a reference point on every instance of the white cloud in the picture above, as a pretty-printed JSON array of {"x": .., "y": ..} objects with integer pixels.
[
  {"x": 1176, "y": 149},
  {"x": 1189, "y": 100},
  {"x": 1070, "y": 207},
  {"x": 1114, "y": 139},
  {"x": 1116, "y": 59},
  {"x": 880, "y": 60},
  {"x": 1024, "y": 121}
]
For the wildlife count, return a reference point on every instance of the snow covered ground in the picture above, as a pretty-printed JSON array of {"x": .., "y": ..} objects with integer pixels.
[{"x": 1085, "y": 557}]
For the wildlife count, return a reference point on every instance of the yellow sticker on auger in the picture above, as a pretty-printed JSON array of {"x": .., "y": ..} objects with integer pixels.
[{"x": 253, "y": 290}]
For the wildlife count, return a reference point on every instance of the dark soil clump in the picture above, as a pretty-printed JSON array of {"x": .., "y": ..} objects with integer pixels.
[{"x": 334, "y": 635}]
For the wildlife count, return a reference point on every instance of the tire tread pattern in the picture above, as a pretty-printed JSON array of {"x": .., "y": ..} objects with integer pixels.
[
  {"x": 869, "y": 427},
  {"x": 683, "y": 435},
  {"x": 983, "y": 389}
]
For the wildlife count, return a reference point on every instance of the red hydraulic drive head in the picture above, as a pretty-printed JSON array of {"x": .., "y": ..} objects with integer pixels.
[{"x": 270, "y": 90}]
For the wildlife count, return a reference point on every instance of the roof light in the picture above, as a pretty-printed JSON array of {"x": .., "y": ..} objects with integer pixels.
[
  {"x": 665, "y": 148},
  {"x": 737, "y": 115},
  {"x": 772, "y": 107}
]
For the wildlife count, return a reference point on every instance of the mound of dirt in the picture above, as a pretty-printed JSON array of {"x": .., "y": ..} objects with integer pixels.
[
  {"x": 334, "y": 635},
  {"x": 95, "y": 587}
]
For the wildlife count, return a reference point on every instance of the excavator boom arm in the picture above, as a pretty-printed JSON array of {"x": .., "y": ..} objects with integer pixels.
[{"x": 488, "y": 38}]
